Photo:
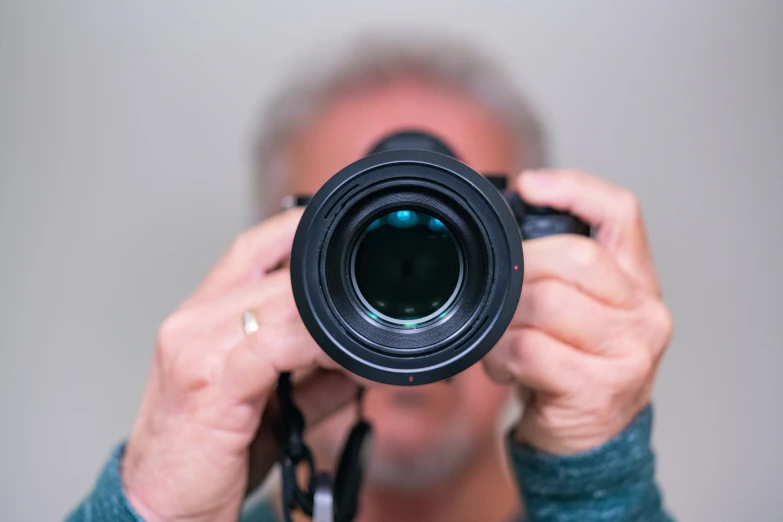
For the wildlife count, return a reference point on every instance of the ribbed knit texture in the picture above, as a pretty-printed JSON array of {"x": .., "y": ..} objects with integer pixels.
[
  {"x": 107, "y": 502},
  {"x": 615, "y": 481}
]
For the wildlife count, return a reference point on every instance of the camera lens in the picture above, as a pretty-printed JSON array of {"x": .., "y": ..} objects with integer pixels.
[{"x": 407, "y": 267}]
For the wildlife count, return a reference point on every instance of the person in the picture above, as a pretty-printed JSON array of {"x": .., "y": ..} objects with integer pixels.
[{"x": 581, "y": 352}]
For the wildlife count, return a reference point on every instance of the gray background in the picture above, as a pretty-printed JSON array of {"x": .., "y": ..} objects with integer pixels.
[{"x": 124, "y": 133}]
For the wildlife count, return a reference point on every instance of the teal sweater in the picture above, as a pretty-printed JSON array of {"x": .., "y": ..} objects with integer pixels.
[{"x": 615, "y": 482}]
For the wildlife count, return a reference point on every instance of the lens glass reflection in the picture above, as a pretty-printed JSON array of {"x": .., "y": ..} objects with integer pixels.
[{"x": 407, "y": 267}]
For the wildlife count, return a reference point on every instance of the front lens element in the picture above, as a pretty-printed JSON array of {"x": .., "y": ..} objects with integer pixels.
[{"x": 407, "y": 267}]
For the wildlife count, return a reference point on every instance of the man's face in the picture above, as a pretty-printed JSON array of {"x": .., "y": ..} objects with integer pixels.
[{"x": 423, "y": 433}]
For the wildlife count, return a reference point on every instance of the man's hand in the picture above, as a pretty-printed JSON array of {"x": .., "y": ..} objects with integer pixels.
[
  {"x": 590, "y": 328},
  {"x": 188, "y": 454}
]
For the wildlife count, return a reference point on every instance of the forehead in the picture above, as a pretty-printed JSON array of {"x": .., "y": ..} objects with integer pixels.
[{"x": 347, "y": 127}]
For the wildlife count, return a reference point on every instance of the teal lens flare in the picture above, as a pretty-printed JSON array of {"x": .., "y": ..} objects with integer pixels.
[{"x": 407, "y": 268}]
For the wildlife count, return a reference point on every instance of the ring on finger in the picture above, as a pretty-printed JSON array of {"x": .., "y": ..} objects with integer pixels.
[{"x": 249, "y": 322}]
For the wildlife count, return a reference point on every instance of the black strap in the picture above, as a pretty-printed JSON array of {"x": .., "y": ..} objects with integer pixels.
[{"x": 294, "y": 451}]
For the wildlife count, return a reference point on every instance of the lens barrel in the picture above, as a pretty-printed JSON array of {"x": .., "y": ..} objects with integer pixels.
[{"x": 407, "y": 267}]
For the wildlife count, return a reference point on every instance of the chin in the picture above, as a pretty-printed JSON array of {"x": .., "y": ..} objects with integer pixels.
[
  {"x": 410, "y": 463},
  {"x": 420, "y": 437}
]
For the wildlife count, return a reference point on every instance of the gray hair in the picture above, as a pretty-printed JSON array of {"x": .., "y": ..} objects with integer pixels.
[{"x": 374, "y": 61}]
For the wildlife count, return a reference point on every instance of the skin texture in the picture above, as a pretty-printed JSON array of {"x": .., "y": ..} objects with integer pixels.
[{"x": 582, "y": 349}]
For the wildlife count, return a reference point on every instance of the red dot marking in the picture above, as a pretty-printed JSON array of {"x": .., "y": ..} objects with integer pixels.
[
  {"x": 516, "y": 267},
  {"x": 410, "y": 379}
]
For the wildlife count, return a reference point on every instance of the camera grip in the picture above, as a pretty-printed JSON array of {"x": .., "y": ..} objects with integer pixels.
[{"x": 535, "y": 221}]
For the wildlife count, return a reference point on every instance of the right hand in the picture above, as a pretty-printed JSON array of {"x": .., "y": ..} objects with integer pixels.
[{"x": 199, "y": 443}]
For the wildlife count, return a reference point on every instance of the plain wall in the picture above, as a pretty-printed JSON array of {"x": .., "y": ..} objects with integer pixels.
[{"x": 124, "y": 163}]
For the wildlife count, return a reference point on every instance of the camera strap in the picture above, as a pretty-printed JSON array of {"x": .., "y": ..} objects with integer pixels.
[{"x": 322, "y": 499}]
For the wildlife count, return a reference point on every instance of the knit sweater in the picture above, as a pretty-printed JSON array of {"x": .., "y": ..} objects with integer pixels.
[{"x": 614, "y": 482}]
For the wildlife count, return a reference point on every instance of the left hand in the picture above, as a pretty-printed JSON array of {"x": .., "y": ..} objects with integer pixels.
[{"x": 590, "y": 329}]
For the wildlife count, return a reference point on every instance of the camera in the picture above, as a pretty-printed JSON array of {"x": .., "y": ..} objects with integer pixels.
[{"x": 407, "y": 265}]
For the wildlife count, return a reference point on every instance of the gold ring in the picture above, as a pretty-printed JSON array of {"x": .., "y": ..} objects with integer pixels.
[{"x": 249, "y": 322}]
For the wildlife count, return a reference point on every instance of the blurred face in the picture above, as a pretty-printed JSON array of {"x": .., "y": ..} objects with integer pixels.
[{"x": 422, "y": 434}]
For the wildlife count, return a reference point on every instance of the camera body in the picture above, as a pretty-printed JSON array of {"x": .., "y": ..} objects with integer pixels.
[
  {"x": 534, "y": 221},
  {"x": 407, "y": 265}
]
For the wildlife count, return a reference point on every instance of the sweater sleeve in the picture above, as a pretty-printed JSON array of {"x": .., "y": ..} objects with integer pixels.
[
  {"x": 614, "y": 482},
  {"x": 107, "y": 501}
]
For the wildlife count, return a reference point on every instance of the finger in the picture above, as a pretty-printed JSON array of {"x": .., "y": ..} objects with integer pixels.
[
  {"x": 536, "y": 361},
  {"x": 254, "y": 295},
  {"x": 217, "y": 325},
  {"x": 581, "y": 262},
  {"x": 565, "y": 313},
  {"x": 612, "y": 210},
  {"x": 271, "y": 300},
  {"x": 253, "y": 254},
  {"x": 280, "y": 308},
  {"x": 253, "y": 366}
]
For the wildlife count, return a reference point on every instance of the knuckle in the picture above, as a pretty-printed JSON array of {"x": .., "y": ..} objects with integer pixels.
[
  {"x": 519, "y": 348},
  {"x": 524, "y": 345},
  {"x": 170, "y": 334},
  {"x": 639, "y": 366},
  {"x": 628, "y": 203},
  {"x": 663, "y": 319},
  {"x": 497, "y": 367},
  {"x": 548, "y": 297},
  {"x": 662, "y": 325},
  {"x": 241, "y": 245},
  {"x": 182, "y": 363},
  {"x": 583, "y": 252}
]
